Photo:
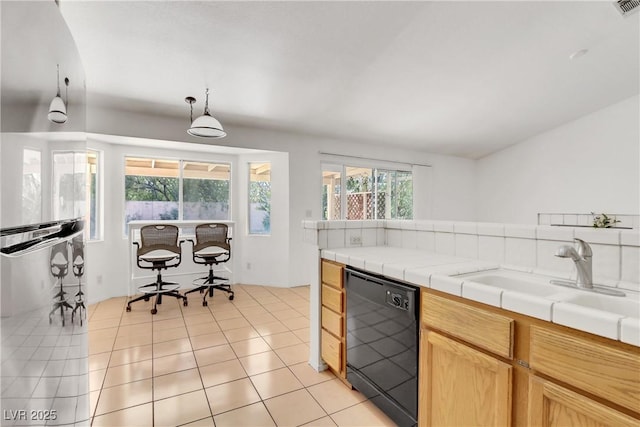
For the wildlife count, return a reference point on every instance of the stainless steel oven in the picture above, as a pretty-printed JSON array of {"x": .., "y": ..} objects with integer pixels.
[{"x": 382, "y": 343}]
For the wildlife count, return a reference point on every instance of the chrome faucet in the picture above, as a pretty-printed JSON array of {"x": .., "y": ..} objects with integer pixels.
[{"x": 582, "y": 258}]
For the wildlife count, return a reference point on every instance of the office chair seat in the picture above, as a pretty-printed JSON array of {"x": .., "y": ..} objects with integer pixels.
[
  {"x": 210, "y": 252},
  {"x": 159, "y": 255}
]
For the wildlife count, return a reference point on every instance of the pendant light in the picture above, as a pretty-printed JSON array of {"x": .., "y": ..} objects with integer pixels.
[
  {"x": 205, "y": 126},
  {"x": 57, "y": 108}
]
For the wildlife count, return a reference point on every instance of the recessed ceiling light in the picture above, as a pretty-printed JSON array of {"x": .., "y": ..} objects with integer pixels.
[{"x": 578, "y": 53}]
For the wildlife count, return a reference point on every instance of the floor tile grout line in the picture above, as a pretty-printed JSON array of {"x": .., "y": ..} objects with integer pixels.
[
  {"x": 95, "y": 410},
  {"x": 242, "y": 315},
  {"x": 193, "y": 352}
]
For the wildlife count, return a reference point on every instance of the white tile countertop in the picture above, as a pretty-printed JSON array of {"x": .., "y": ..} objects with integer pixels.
[{"x": 617, "y": 318}]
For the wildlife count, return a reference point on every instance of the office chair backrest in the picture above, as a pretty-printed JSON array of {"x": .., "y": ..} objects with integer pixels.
[
  {"x": 59, "y": 259},
  {"x": 158, "y": 237},
  {"x": 213, "y": 234},
  {"x": 77, "y": 250}
]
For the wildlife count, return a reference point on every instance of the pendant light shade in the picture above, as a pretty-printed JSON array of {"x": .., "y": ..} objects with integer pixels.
[
  {"x": 205, "y": 126},
  {"x": 58, "y": 108},
  {"x": 57, "y": 111}
]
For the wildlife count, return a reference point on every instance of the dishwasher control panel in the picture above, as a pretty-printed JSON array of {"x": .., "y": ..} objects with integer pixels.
[{"x": 397, "y": 300}]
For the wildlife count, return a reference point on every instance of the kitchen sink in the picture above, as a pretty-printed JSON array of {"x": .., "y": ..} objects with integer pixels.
[
  {"x": 514, "y": 281},
  {"x": 628, "y": 306}
]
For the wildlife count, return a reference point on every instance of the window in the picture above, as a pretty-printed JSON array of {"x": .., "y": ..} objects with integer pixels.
[
  {"x": 69, "y": 184},
  {"x": 94, "y": 201},
  {"x": 31, "y": 186},
  {"x": 206, "y": 190},
  {"x": 160, "y": 189},
  {"x": 370, "y": 193},
  {"x": 331, "y": 188},
  {"x": 259, "y": 198},
  {"x": 360, "y": 193},
  {"x": 151, "y": 189}
]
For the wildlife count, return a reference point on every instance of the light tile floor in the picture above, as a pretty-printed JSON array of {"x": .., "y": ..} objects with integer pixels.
[{"x": 233, "y": 363}]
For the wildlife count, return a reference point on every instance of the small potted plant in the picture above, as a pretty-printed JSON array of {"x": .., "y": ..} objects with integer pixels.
[{"x": 603, "y": 221}]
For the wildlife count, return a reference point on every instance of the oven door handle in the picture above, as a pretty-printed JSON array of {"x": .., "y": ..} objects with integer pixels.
[{"x": 64, "y": 231}]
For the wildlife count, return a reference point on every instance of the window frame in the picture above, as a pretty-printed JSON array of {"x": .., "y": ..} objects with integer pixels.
[
  {"x": 181, "y": 161},
  {"x": 375, "y": 167},
  {"x": 99, "y": 208},
  {"x": 249, "y": 181}
]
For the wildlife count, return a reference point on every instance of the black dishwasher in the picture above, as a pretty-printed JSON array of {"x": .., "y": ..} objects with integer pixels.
[{"x": 382, "y": 343}]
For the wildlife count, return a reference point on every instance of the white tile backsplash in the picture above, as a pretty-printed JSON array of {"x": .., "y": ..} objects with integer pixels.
[
  {"x": 630, "y": 264},
  {"x": 352, "y": 237},
  {"x": 491, "y": 248},
  {"x": 394, "y": 237},
  {"x": 606, "y": 261},
  {"x": 598, "y": 235},
  {"x": 445, "y": 243},
  {"x": 555, "y": 233},
  {"x": 466, "y": 245},
  {"x": 520, "y": 230},
  {"x": 490, "y": 229},
  {"x": 369, "y": 237},
  {"x": 323, "y": 240},
  {"x": 465, "y": 228},
  {"x": 630, "y": 238},
  {"x": 409, "y": 239},
  {"x": 443, "y": 226},
  {"x": 520, "y": 252},
  {"x": 528, "y": 247},
  {"x": 426, "y": 240},
  {"x": 547, "y": 260},
  {"x": 336, "y": 238}
]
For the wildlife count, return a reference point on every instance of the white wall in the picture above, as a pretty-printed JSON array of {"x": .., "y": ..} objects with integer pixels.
[
  {"x": 264, "y": 259},
  {"x": 591, "y": 164},
  {"x": 450, "y": 191}
]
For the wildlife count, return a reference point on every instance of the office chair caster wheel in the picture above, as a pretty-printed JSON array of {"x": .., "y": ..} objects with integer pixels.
[
  {"x": 146, "y": 298},
  {"x": 154, "y": 311},
  {"x": 231, "y": 297},
  {"x": 185, "y": 303},
  {"x": 128, "y": 308},
  {"x": 204, "y": 303}
]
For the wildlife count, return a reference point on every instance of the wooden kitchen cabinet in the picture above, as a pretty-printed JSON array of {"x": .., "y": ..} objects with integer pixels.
[
  {"x": 461, "y": 386},
  {"x": 551, "y": 405},
  {"x": 333, "y": 346},
  {"x": 482, "y": 365}
]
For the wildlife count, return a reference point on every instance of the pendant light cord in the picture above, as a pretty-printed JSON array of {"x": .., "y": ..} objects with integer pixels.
[
  {"x": 58, "y": 79},
  {"x": 206, "y": 103}
]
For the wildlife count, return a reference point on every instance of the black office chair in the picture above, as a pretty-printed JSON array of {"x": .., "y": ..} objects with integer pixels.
[
  {"x": 159, "y": 250},
  {"x": 59, "y": 267},
  {"x": 212, "y": 247},
  {"x": 77, "y": 264}
]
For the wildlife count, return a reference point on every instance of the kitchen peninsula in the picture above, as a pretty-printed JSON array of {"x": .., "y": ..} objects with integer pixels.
[{"x": 524, "y": 350}]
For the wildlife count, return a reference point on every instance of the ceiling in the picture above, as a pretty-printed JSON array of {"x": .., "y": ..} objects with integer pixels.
[{"x": 459, "y": 78}]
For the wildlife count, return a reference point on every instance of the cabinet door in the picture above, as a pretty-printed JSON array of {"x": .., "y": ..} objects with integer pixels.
[
  {"x": 551, "y": 405},
  {"x": 460, "y": 386}
]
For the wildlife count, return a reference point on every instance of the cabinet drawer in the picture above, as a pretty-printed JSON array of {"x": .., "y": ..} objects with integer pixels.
[
  {"x": 331, "y": 351},
  {"x": 479, "y": 327},
  {"x": 332, "y": 322},
  {"x": 605, "y": 371},
  {"x": 332, "y": 274},
  {"x": 332, "y": 298}
]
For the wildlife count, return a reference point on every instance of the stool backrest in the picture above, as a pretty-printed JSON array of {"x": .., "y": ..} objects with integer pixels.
[
  {"x": 212, "y": 234},
  {"x": 158, "y": 237}
]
